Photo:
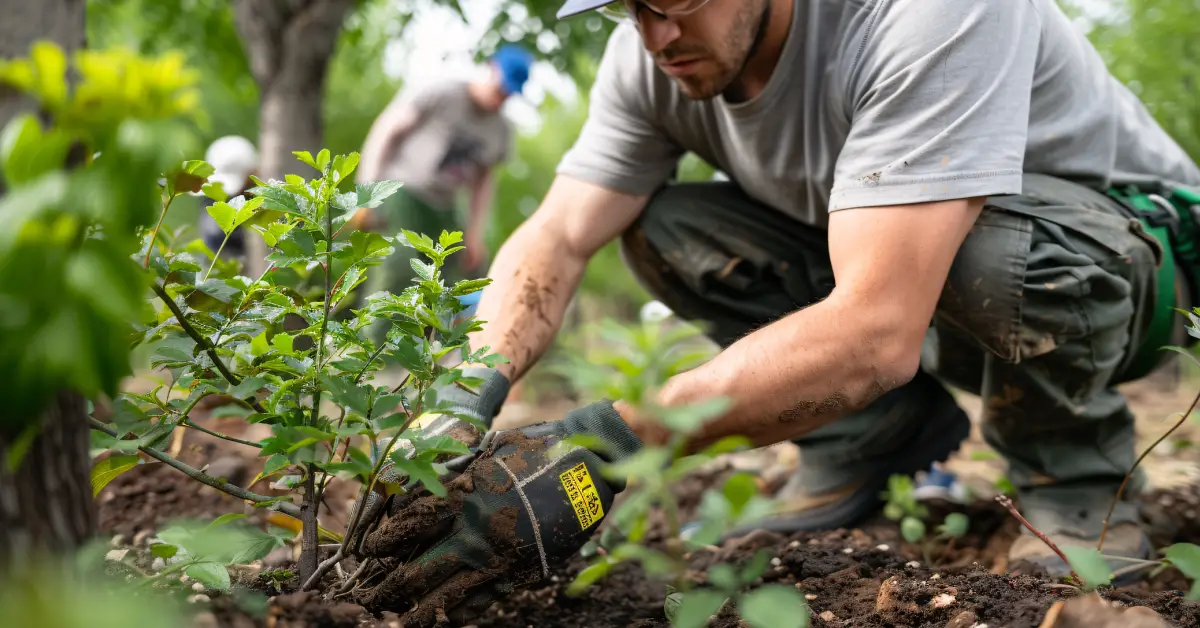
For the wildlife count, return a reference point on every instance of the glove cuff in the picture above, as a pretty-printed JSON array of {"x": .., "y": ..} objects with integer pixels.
[
  {"x": 492, "y": 393},
  {"x": 602, "y": 420}
]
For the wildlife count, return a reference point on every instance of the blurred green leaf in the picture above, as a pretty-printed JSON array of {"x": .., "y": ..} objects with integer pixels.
[
  {"x": 1090, "y": 565},
  {"x": 774, "y": 606},
  {"x": 107, "y": 470}
]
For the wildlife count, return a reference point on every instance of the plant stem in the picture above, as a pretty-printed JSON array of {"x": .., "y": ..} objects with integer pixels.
[
  {"x": 1124, "y": 482},
  {"x": 352, "y": 529},
  {"x": 286, "y": 508},
  {"x": 1004, "y": 500},
  {"x": 202, "y": 341},
  {"x": 154, "y": 236},
  {"x": 308, "y": 529},
  {"x": 216, "y": 256},
  {"x": 1127, "y": 559},
  {"x": 1133, "y": 569},
  {"x": 187, "y": 423}
]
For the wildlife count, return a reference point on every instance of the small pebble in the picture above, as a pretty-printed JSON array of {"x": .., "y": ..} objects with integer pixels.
[
  {"x": 912, "y": 564},
  {"x": 158, "y": 564},
  {"x": 848, "y": 550},
  {"x": 979, "y": 626},
  {"x": 117, "y": 541},
  {"x": 205, "y": 620},
  {"x": 775, "y": 561},
  {"x": 935, "y": 576},
  {"x": 808, "y": 596},
  {"x": 883, "y": 547},
  {"x": 116, "y": 556},
  {"x": 1166, "y": 501},
  {"x": 198, "y": 598},
  {"x": 828, "y": 616},
  {"x": 942, "y": 601},
  {"x": 793, "y": 544},
  {"x": 197, "y": 587}
]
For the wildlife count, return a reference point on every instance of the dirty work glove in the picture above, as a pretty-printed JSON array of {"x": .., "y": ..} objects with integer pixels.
[
  {"x": 521, "y": 506},
  {"x": 483, "y": 407}
]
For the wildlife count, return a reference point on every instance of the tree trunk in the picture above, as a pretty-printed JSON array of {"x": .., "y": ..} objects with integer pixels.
[
  {"x": 45, "y": 491},
  {"x": 288, "y": 43}
]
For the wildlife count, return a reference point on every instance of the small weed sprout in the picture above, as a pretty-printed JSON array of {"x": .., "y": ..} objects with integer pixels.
[
  {"x": 633, "y": 363},
  {"x": 902, "y": 505}
]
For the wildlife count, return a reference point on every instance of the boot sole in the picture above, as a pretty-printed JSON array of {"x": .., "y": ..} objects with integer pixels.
[{"x": 943, "y": 436}]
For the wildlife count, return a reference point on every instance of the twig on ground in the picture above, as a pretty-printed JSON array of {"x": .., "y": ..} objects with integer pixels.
[
  {"x": 1124, "y": 482},
  {"x": 1004, "y": 500},
  {"x": 284, "y": 507}
]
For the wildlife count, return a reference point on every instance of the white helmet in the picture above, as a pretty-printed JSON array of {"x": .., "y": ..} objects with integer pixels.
[{"x": 234, "y": 158}]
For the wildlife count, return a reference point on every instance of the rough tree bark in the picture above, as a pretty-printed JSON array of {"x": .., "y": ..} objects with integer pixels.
[
  {"x": 288, "y": 43},
  {"x": 46, "y": 502}
]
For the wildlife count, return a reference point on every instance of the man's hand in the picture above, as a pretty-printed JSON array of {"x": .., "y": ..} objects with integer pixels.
[{"x": 521, "y": 506}]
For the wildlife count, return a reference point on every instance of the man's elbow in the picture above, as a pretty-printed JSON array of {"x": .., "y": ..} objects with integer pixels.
[{"x": 894, "y": 357}]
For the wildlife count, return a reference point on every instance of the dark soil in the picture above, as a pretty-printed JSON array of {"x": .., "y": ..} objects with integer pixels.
[{"x": 864, "y": 576}]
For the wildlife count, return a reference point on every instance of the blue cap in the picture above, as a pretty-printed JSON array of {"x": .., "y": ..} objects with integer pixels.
[{"x": 513, "y": 62}]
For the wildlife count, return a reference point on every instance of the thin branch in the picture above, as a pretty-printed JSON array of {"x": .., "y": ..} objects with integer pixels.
[
  {"x": 154, "y": 236},
  {"x": 1124, "y": 482},
  {"x": 202, "y": 341},
  {"x": 1004, "y": 500},
  {"x": 286, "y": 508},
  {"x": 187, "y": 423},
  {"x": 352, "y": 529},
  {"x": 349, "y": 582}
]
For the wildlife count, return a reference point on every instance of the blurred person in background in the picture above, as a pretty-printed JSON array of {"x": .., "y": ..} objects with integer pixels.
[
  {"x": 233, "y": 158},
  {"x": 440, "y": 140}
]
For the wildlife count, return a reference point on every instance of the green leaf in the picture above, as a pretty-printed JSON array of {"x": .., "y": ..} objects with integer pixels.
[
  {"x": 272, "y": 232},
  {"x": 1090, "y": 565},
  {"x": 774, "y": 606},
  {"x": 215, "y": 190},
  {"x": 274, "y": 463},
  {"x": 1184, "y": 352},
  {"x": 305, "y": 157},
  {"x": 283, "y": 343},
  {"x": 739, "y": 488},
  {"x": 371, "y": 195},
  {"x": 589, "y": 575},
  {"x": 211, "y": 575},
  {"x": 344, "y": 165},
  {"x": 247, "y": 387},
  {"x": 164, "y": 550},
  {"x": 1186, "y": 558},
  {"x": 756, "y": 566},
  {"x": 955, "y": 525},
  {"x": 449, "y": 238},
  {"x": 364, "y": 246},
  {"x": 420, "y": 470},
  {"x": 912, "y": 529},
  {"x": 108, "y": 469},
  {"x": 695, "y": 607},
  {"x": 226, "y": 518},
  {"x": 724, "y": 577},
  {"x": 230, "y": 215}
]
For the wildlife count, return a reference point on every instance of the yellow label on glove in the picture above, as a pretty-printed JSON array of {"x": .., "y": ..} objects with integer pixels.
[{"x": 582, "y": 493}]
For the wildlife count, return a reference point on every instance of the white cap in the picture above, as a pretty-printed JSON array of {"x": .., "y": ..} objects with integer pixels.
[{"x": 234, "y": 158}]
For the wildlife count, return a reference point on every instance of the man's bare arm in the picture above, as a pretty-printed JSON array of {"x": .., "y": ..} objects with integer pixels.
[
  {"x": 538, "y": 268},
  {"x": 385, "y": 136},
  {"x": 838, "y": 355}
]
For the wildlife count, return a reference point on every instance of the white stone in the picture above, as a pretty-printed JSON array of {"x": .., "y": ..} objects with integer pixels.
[
  {"x": 116, "y": 556},
  {"x": 883, "y": 547},
  {"x": 912, "y": 564},
  {"x": 942, "y": 601}
]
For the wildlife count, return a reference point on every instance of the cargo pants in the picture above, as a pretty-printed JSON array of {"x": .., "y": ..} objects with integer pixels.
[{"x": 1048, "y": 294}]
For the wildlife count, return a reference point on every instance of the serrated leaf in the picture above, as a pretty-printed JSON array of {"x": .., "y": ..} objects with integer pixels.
[
  {"x": 305, "y": 157},
  {"x": 215, "y": 190},
  {"x": 226, "y": 518},
  {"x": 774, "y": 606},
  {"x": 109, "y": 469},
  {"x": 272, "y": 232},
  {"x": 420, "y": 470},
  {"x": 344, "y": 165},
  {"x": 1090, "y": 565},
  {"x": 371, "y": 195},
  {"x": 211, "y": 575}
]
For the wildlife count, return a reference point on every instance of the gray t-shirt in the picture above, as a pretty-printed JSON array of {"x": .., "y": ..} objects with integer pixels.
[
  {"x": 882, "y": 102},
  {"x": 452, "y": 142}
]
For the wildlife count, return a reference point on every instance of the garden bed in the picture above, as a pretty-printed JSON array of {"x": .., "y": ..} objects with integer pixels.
[{"x": 865, "y": 576}]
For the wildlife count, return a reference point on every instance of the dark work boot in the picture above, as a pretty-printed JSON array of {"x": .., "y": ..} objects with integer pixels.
[{"x": 842, "y": 475}]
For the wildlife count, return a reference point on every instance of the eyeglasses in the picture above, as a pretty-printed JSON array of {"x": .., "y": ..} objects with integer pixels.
[{"x": 627, "y": 10}]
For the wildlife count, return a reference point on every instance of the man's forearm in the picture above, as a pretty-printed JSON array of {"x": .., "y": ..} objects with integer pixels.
[
  {"x": 522, "y": 309},
  {"x": 797, "y": 374}
]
